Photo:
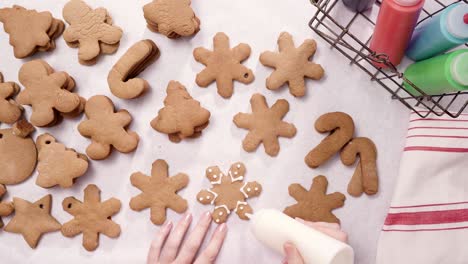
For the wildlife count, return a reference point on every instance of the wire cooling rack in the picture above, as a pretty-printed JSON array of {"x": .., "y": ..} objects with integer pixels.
[{"x": 347, "y": 34}]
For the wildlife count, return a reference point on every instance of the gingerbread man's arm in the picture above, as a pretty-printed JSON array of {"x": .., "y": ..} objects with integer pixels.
[
  {"x": 124, "y": 117},
  {"x": 297, "y": 192},
  {"x": 243, "y": 120},
  {"x": 241, "y": 52},
  {"x": 139, "y": 180},
  {"x": 308, "y": 47},
  {"x": 202, "y": 55},
  {"x": 269, "y": 59},
  {"x": 110, "y": 207}
]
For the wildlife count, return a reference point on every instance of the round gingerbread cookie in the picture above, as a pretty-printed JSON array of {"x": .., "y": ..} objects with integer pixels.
[{"x": 18, "y": 157}]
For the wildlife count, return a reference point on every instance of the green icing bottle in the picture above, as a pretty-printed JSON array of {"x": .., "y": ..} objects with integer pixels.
[{"x": 446, "y": 73}]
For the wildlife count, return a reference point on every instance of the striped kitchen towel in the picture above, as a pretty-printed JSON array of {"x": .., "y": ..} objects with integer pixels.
[{"x": 427, "y": 222}]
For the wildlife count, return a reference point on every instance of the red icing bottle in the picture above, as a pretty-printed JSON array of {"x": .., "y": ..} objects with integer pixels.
[{"x": 394, "y": 27}]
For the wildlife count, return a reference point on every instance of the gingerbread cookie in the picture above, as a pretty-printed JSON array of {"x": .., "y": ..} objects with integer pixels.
[
  {"x": 18, "y": 156},
  {"x": 223, "y": 65},
  {"x": 57, "y": 164},
  {"x": 314, "y": 205},
  {"x": 172, "y": 18},
  {"x": 365, "y": 177},
  {"x": 341, "y": 128},
  {"x": 229, "y": 192},
  {"x": 182, "y": 116},
  {"x": 29, "y": 30},
  {"x": 291, "y": 65},
  {"x": 106, "y": 128},
  {"x": 6, "y": 209},
  {"x": 10, "y": 110},
  {"x": 265, "y": 125},
  {"x": 32, "y": 220},
  {"x": 47, "y": 92},
  {"x": 91, "y": 217},
  {"x": 159, "y": 192},
  {"x": 121, "y": 78},
  {"x": 88, "y": 28}
]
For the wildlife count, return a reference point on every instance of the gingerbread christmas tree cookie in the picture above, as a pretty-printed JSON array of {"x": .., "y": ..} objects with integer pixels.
[
  {"x": 91, "y": 217},
  {"x": 106, "y": 128},
  {"x": 159, "y": 192},
  {"x": 32, "y": 220},
  {"x": 58, "y": 165},
  {"x": 5, "y": 208},
  {"x": 10, "y": 111},
  {"x": 229, "y": 192},
  {"x": 265, "y": 125},
  {"x": 291, "y": 65},
  {"x": 314, "y": 205},
  {"x": 223, "y": 65},
  {"x": 182, "y": 116}
]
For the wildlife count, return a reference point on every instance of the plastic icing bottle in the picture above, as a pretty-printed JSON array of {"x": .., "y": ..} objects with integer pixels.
[
  {"x": 443, "y": 32},
  {"x": 359, "y": 5},
  {"x": 274, "y": 228},
  {"x": 394, "y": 26},
  {"x": 442, "y": 74}
]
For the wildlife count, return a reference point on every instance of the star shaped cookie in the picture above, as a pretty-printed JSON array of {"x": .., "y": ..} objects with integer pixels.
[
  {"x": 314, "y": 205},
  {"x": 92, "y": 217},
  {"x": 159, "y": 192},
  {"x": 223, "y": 65},
  {"x": 32, "y": 220},
  {"x": 291, "y": 65},
  {"x": 229, "y": 192},
  {"x": 265, "y": 125},
  {"x": 10, "y": 111}
]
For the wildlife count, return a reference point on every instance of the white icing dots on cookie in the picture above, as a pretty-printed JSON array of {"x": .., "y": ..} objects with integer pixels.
[
  {"x": 235, "y": 173},
  {"x": 208, "y": 197},
  {"x": 238, "y": 166},
  {"x": 215, "y": 176},
  {"x": 256, "y": 189},
  {"x": 248, "y": 189},
  {"x": 201, "y": 199},
  {"x": 217, "y": 220},
  {"x": 210, "y": 170},
  {"x": 220, "y": 213},
  {"x": 241, "y": 207}
]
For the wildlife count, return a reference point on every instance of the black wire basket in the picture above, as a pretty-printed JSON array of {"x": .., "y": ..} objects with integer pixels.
[{"x": 343, "y": 34}]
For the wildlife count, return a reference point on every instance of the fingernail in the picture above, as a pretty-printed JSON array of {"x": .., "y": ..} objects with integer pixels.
[
  {"x": 206, "y": 217},
  {"x": 167, "y": 226},
  {"x": 222, "y": 227},
  {"x": 284, "y": 261},
  {"x": 287, "y": 248},
  {"x": 188, "y": 217}
]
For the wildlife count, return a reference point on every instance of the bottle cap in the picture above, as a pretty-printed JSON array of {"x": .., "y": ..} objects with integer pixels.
[
  {"x": 408, "y": 2},
  {"x": 457, "y": 18},
  {"x": 459, "y": 69}
]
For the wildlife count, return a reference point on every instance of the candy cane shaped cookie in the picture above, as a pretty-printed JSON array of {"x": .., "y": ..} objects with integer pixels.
[
  {"x": 341, "y": 128},
  {"x": 365, "y": 177}
]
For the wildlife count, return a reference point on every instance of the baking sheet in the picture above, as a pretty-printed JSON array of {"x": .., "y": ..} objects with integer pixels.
[{"x": 258, "y": 23}]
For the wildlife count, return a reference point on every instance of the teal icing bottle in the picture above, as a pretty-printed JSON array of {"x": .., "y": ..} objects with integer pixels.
[
  {"x": 446, "y": 73},
  {"x": 438, "y": 34}
]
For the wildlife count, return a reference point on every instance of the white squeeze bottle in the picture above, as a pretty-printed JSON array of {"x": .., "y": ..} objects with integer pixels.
[{"x": 273, "y": 228}]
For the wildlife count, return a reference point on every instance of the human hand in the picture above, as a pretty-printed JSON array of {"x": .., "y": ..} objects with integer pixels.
[
  {"x": 331, "y": 229},
  {"x": 167, "y": 247}
]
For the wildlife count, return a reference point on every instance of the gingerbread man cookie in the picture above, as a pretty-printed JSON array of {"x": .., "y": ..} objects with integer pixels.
[
  {"x": 159, "y": 192},
  {"x": 89, "y": 28},
  {"x": 341, "y": 128},
  {"x": 58, "y": 165},
  {"x": 91, "y": 217},
  {"x": 32, "y": 220},
  {"x": 229, "y": 192},
  {"x": 365, "y": 177},
  {"x": 223, "y": 65},
  {"x": 291, "y": 65},
  {"x": 314, "y": 205},
  {"x": 30, "y": 30},
  {"x": 172, "y": 18},
  {"x": 121, "y": 78},
  {"x": 46, "y": 92},
  {"x": 106, "y": 128},
  {"x": 10, "y": 110},
  {"x": 6, "y": 209},
  {"x": 182, "y": 116},
  {"x": 265, "y": 125},
  {"x": 18, "y": 155}
]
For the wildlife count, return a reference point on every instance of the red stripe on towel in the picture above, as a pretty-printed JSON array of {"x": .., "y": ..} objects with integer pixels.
[
  {"x": 426, "y": 205},
  {"x": 435, "y": 136},
  {"x": 424, "y": 229},
  {"x": 428, "y": 217},
  {"x": 435, "y": 149},
  {"x": 432, "y": 127},
  {"x": 442, "y": 119}
]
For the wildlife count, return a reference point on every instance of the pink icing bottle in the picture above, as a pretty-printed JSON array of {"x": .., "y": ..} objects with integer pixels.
[{"x": 394, "y": 28}]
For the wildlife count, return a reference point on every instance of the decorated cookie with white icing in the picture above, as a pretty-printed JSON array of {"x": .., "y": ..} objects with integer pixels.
[{"x": 229, "y": 192}]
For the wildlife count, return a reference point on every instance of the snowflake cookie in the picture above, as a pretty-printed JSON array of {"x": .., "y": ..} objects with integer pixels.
[{"x": 229, "y": 192}]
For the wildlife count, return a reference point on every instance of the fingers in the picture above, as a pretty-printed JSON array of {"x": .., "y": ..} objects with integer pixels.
[
  {"x": 193, "y": 243},
  {"x": 211, "y": 252},
  {"x": 292, "y": 254},
  {"x": 330, "y": 229},
  {"x": 157, "y": 243},
  {"x": 175, "y": 239}
]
